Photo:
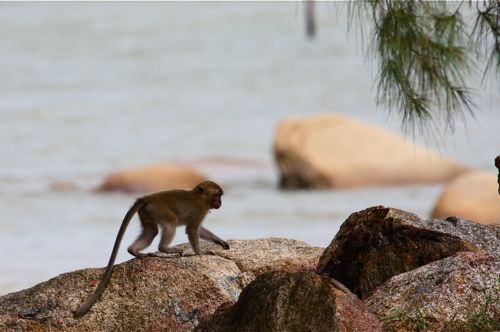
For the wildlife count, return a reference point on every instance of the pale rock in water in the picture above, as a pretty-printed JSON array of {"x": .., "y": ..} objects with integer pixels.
[
  {"x": 152, "y": 178},
  {"x": 473, "y": 196},
  {"x": 334, "y": 151}
]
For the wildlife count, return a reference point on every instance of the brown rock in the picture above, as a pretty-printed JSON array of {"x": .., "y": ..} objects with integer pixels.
[
  {"x": 472, "y": 196},
  {"x": 62, "y": 185},
  {"x": 332, "y": 151},
  {"x": 152, "y": 294},
  {"x": 299, "y": 301},
  {"x": 377, "y": 243},
  {"x": 443, "y": 295},
  {"x": 152, "y": 178}
]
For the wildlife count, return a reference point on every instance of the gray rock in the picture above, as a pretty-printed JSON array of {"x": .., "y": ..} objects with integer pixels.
[
  {"x": 449, "y": 293},
  {"x": 377, "y": 243},
  {"x": 156, "y": 293}
]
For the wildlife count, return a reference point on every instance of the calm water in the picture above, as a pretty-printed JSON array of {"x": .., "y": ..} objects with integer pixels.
[{"x": 88, "y": 88}]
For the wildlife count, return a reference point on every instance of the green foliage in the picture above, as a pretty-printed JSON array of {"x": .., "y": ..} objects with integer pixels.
[
  {"x": 417, "y": 322},
  {"x": 486, "y": 33},
  {"x": 424, "y": 51}
]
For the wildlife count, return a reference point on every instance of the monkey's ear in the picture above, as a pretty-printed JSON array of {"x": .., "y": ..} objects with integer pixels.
[{"x": 199, "y": 190}]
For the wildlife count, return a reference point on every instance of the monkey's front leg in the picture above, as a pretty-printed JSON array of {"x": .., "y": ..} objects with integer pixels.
[
  {"x": 209, "y": 236},
  {"x": 194, "y": 239}
]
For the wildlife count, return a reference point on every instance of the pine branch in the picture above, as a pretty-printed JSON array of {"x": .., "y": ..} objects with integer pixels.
[{"x": 423, "y": 50}]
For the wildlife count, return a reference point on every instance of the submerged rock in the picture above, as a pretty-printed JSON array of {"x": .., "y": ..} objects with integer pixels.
[
  {"x": 472, "y": 196},
  {"x": 152, "y": 178},
  {"x": 452, "y": 293},
  {"x": 151, "y": 294},
  {"x": 332, "y": 151},
  {"x": 63, "y": 185},
  {"x": 300, "y": 301},
  {"x": 378, "y": 243}
]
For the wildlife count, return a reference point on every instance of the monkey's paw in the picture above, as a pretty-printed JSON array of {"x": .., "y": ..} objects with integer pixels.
[
  {"x": 224, "y": 245},
  {"x": 164, "y": 254}
]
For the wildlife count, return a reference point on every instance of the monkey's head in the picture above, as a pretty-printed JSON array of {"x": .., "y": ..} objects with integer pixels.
[{"x": 211, "y": 193}]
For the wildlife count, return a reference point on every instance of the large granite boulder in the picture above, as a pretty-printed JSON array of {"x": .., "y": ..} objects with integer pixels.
[
  {"x": 152, "y": 294},
  {"x": 457, "y": 293},
  {"x": 472, "y": 196},
  {"x": 378, "y": 243},
  {"x": 297, "y": 301},
  {"x": 143, "y": 294},
  {"x": 152, "y": 178},
  {"x": 273, "y": 254},
  {"x": 333, "y": 151}
]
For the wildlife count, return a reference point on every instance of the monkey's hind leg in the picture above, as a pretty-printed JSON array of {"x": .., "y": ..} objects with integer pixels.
[
  {"x": 167, "y": 235},
  {"x": 149, "y": 231}
]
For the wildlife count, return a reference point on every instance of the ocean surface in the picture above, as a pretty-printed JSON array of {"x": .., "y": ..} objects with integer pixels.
[{"x": 89, "y": 88}]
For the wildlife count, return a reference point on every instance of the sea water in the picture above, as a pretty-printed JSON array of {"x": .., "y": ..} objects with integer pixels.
[{"x": 89, "y": 88}]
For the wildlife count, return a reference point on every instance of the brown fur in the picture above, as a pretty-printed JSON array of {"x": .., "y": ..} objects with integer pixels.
[{"x": 167, "y": 209}]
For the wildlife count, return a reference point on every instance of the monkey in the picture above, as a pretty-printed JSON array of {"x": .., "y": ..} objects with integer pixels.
[
  {"x": 497, "y": 164},
  {"x": 167, "y": 209}
]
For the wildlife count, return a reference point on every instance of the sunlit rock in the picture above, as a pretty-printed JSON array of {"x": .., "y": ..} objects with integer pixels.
[
  {"x": 333, "y": 151},
  {"x": 168, "y": 293},
  {"x": 472, "y": 196},
  {"x": 152, "y": 178},
  {"x": 62, "y": 185}
]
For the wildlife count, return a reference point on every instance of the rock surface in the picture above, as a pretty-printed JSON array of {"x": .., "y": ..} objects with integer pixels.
[
  {"x": 378, "y": 243},
  {"x": 300, "y": 301},
  {"x": 152, "y": 178},
  {"x": 332, "y": 151},
  {"x": 273, "y": 254},
  {"x": 473, "y": 196},
  {"x": 445, "y": 293},
  {"x": 151, "y": 294}
]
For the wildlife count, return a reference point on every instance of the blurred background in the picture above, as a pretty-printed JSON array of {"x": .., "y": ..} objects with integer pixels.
[{"x": 89, "y": 88}]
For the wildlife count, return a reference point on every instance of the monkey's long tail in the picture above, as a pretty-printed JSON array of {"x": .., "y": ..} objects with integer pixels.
[{"x": 82, "y": 310}]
